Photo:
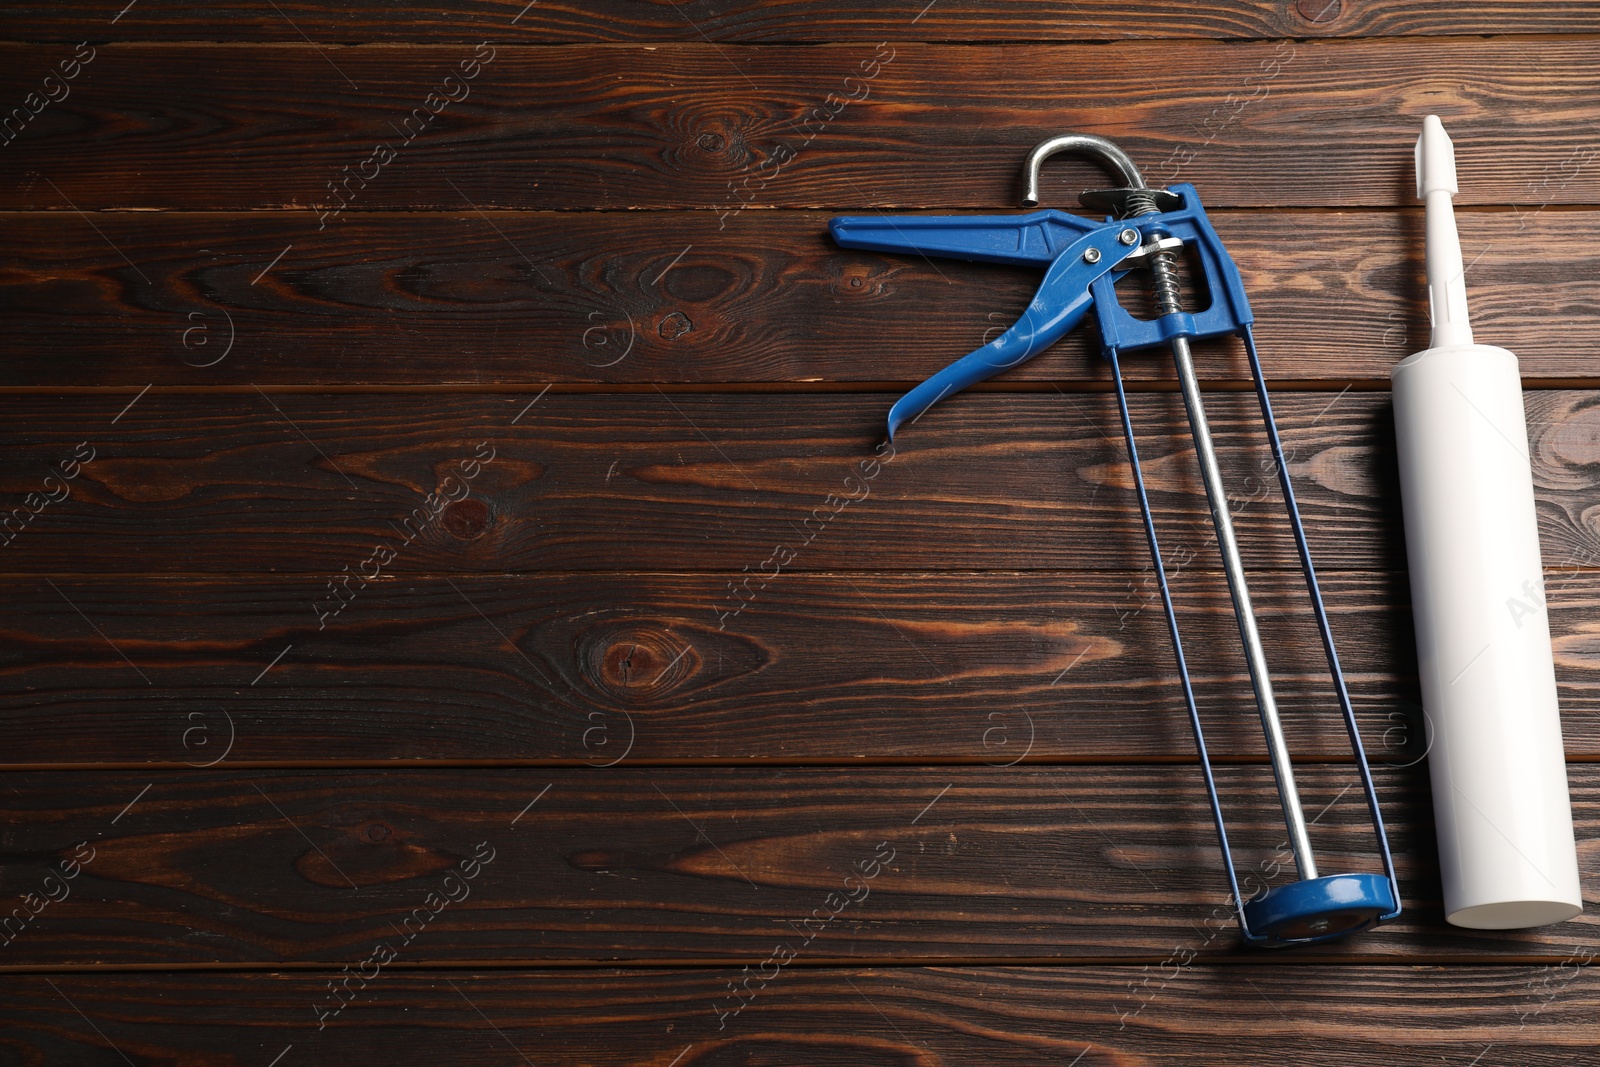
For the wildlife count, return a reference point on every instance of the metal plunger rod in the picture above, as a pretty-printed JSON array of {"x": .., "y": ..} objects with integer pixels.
[
  {"x": 1164, "y": 281},
  {"x": 1141, "y": 200},
  {"x": 1282, "y": 769}
]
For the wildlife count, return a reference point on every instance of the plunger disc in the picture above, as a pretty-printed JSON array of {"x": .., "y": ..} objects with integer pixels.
[{"x": 1319, "y": 909}]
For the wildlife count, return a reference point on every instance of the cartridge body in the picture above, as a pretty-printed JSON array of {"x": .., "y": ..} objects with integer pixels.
[{"x": 1506, "y": 851}]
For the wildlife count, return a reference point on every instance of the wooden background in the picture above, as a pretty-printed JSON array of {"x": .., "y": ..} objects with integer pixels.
[{"x": 607, "y": 268}]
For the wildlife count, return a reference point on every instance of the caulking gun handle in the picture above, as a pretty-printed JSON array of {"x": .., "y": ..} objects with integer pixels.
[
  {"x": 1060, "y": 304},
  {"x": 1033, "y": 239}
]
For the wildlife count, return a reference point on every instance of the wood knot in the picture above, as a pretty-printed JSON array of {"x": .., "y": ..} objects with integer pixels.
[
  {"x": 370, "y": 851},
  {"x": 466, "y": 519},
  {"x": 674, "y": 326},
  {"x": 1319, "y": 10},
  {"x": 858, "y": 278},
  {"x": 638, "y": 662}
]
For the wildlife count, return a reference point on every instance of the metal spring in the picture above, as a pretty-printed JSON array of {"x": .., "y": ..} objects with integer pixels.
[
  {"x": 1163, "y": 265},
  {"x": 1140, "y": 202},
  {"x": 1164, "y": 283}
]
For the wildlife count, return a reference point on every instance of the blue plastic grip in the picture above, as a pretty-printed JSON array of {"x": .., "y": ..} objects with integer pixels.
[
  {"x": 1070, "y": 285},
  {"x": 1059, "y": 305},
  {"x": 1022, "y": 240}
]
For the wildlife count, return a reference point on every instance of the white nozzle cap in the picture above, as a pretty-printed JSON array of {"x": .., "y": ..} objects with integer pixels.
[
  {"x": 1436, "y": 159},
  {"x": 1447, "y": 286}
]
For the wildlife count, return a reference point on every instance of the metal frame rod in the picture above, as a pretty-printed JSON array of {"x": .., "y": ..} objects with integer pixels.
[
  {"x": 1177, "y": 641},
  {"x": 1321, "y": 612},
  {"x": 1255, "y": 654}
]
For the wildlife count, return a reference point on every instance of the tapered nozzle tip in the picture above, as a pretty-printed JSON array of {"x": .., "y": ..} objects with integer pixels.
[
  {"x": 1447, "y": 289},
  {"x": 1435, "y": 159}
]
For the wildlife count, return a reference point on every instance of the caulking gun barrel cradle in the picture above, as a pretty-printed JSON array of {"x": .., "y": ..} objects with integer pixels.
[{"x": 1145, "y": 230}]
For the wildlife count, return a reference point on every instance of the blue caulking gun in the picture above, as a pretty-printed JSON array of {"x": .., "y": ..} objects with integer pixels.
[{"x": 1146, "y": 229}]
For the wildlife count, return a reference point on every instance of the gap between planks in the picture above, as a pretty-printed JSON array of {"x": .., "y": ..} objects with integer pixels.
[
  {"x": 848, "y": 963},
  {"x": 435, "y": 44},
  {"x": 1073, "y": 385},
  {"x": 997, "y": 572},
  {"x": 807, "y": 387},
  {"x": 746, "y": 762},
  {"x": 813, "y": 209},
  {"x": 733, "y": 762},
  {"x": 1069, "y": 385}
]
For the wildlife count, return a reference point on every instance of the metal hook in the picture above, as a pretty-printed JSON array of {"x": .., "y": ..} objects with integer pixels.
[{"x": 1115, "y": 160}]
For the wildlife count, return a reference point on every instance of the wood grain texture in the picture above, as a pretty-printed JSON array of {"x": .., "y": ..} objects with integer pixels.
[
  {"x": 663, "y": 863},
  {"x": 965, "y": 668},
  {"x": 974, "y": 668},
  {"x": 1207, "y": 1016},
  {"x": 793, "y": 20},
  {"x": 528, "y": 298},
  {"x": 186, "y": 484},
  {"x": 1278, "y": 124},
  {"x": 569, "y": 753}
]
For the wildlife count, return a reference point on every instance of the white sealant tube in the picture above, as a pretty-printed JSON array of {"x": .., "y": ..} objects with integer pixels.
[{"x": 1506, "y": 851}]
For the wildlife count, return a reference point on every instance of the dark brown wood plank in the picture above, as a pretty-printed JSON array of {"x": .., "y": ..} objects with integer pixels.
[
  {"x": 1254, "y": 123},
  {"x": 246, "y": 483},
  {"x": 795, "y": 20},
  {"x": 577, "y": 607},
  {"x": 1203, "y": 1016},
  {"x": 967, "y": 668},
  {"x": 594, "y": 668},
  {"x": 310, "y": 484},
  {"x": 668, "y": 297},
  {"x": 667, "y": 863}
]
